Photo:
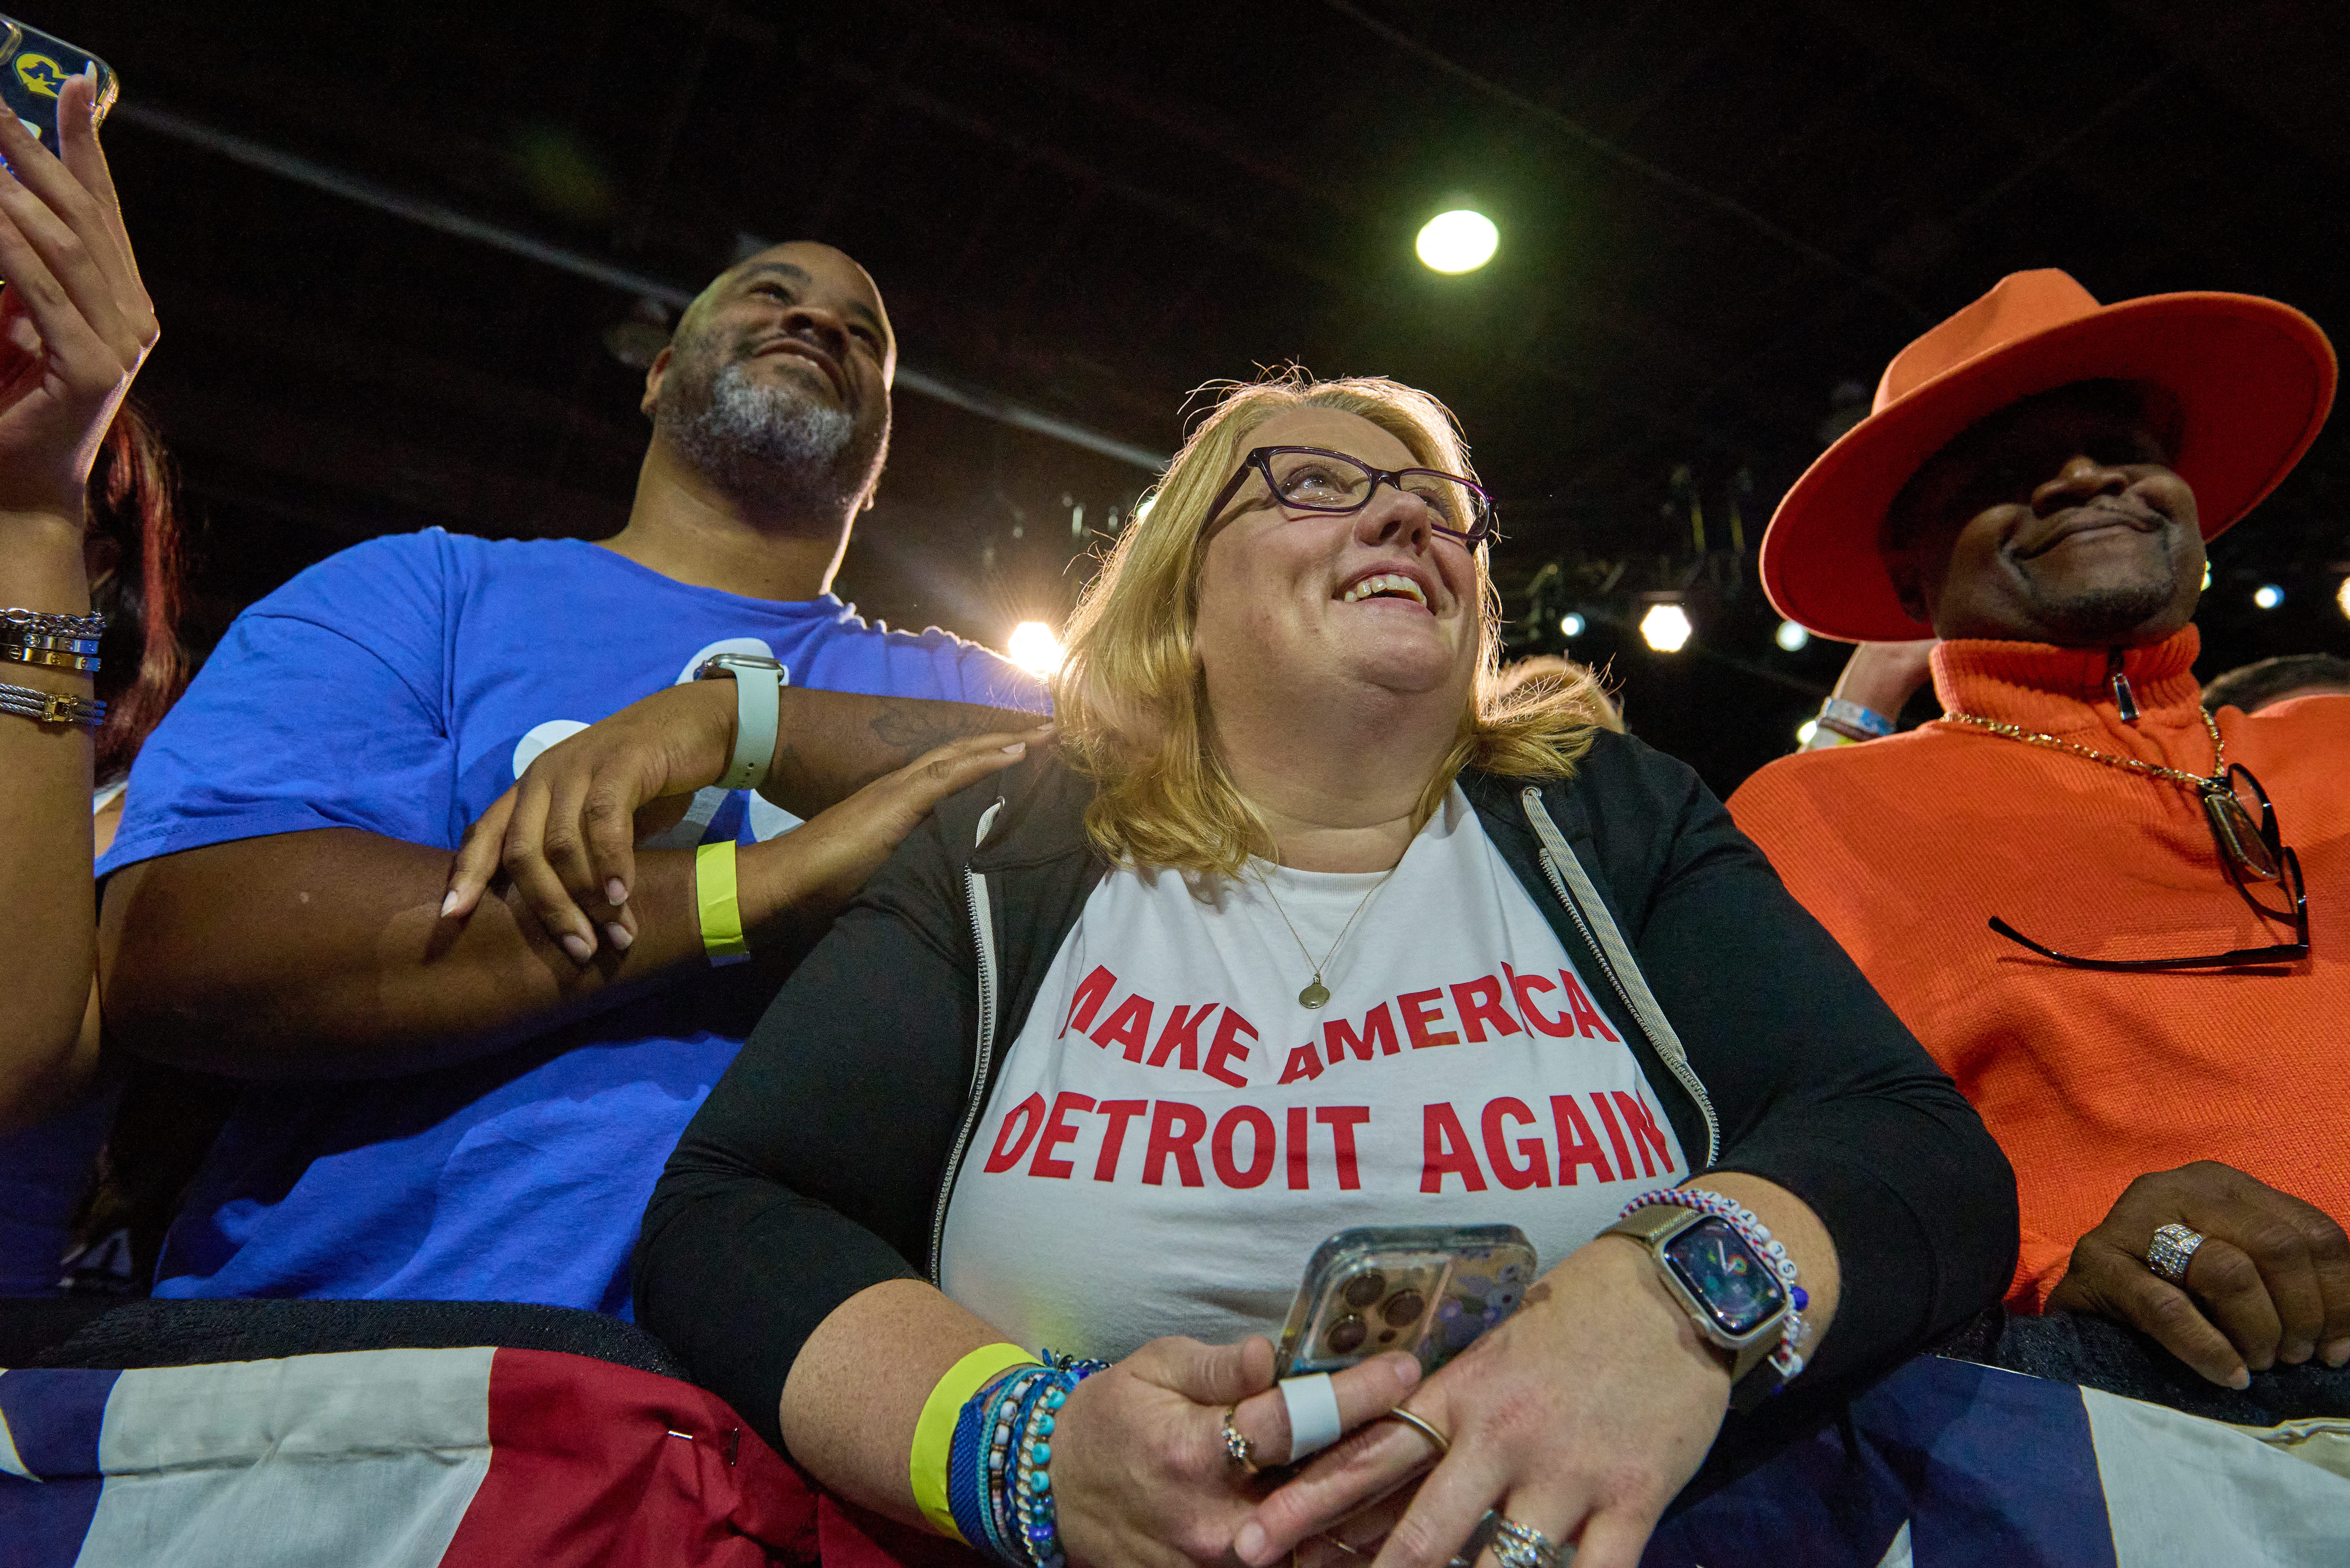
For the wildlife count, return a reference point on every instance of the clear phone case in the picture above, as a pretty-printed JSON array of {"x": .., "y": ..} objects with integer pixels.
[
  {"x": 35, "y": 67},
  {"x": 1428, "y": 1289}
]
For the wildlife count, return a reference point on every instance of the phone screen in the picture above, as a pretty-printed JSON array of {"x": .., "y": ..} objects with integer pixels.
[{"x": 33, "y": 70}]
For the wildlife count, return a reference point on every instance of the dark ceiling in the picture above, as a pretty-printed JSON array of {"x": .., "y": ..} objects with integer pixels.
[{"x": 1718, "y": 219}]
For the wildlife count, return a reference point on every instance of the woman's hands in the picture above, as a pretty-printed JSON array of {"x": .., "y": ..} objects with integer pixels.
[
  {"x": 1581, "y": 1417},
  {"x": 1142, "y": 1473},
  {"x": 75, "y": 321}
]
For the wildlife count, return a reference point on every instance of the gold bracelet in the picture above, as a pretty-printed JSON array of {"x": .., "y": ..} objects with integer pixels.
[{"x": 18, "y": 653}]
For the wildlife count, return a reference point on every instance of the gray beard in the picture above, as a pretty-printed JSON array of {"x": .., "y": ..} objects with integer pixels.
[{"x": 753, "y": 437}]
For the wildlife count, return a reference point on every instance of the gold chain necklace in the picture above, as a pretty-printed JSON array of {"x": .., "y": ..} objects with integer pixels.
[
  {"x": 1316, "y": 993},
  {"x": 2241, "y": 839},
  {"x": 2216, "y": 784}
]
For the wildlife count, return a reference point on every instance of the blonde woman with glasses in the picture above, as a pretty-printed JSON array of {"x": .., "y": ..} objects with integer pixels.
[{"x": 1301, "y": 928}]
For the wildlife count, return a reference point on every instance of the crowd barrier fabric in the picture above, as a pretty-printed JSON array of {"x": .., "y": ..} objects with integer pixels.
[
  {"x": 453, "y": 1459},
  {"x": 387, "y": 1459}
]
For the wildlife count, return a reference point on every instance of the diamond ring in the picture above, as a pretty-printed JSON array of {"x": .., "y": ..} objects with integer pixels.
[
  {"x": 1238, "y": 1449},
  {"x": 2172, "y": 1250}
]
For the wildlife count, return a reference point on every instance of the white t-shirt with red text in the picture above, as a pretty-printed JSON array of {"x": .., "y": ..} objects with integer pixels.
[{"x": 1172, "y": 1132}]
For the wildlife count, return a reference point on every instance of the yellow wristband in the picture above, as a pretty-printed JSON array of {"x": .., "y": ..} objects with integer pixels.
[
  {"x": 722, "y": 912},
  {"x": 926, "y": 1467}
]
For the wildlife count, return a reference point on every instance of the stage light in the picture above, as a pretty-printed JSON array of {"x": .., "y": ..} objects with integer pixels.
[
  {"x": 2341, "y": 596},
  {"x": 1034, "y": 647},
  {"x": 1791, "y": 638},
  {"x": 1458, "y": 240},
  {"x": 1665, "y": 628},
  {"x": 1571, "y": 624},
  {"x": 1805, "y": 731},
  {"x": 2268, "y": 596}
]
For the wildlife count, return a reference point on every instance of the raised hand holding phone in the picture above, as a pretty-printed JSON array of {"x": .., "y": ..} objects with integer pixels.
[
  {"x": 75, "y": 320},
  {"x": 35, "y": 67}
]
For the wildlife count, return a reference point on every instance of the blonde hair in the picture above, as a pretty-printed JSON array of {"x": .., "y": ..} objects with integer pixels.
[{"x": 1130, "y": 699}]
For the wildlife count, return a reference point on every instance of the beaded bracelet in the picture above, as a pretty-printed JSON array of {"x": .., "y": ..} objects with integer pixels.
[
  {"x": 978, "y": 1462},
  {"x": 1033, "y": 1489},
  {"x": 1757, "y": 1236},
  {"x": 999, "y": 1476}
]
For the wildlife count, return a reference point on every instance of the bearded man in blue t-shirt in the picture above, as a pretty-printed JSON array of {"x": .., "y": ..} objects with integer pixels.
[{"x": 468, "y": 1099}]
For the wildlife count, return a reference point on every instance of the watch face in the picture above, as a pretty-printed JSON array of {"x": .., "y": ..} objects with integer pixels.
[{"x": 1723, "y": 1274}]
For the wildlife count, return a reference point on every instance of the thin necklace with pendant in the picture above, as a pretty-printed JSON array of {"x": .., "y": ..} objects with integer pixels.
[{"x": 1316, "y": 993}]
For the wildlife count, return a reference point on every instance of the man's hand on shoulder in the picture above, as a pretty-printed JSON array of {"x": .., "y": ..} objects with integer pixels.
[{"x": 2270, "y": 1283}]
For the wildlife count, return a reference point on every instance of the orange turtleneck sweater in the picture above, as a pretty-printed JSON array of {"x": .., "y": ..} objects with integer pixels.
[{"x": 1905, "y": 847}]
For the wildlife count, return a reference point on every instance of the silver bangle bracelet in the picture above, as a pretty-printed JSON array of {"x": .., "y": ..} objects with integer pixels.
[
  {"x": 16, "y": 622},
  {"x": 54, "y": 642},
  {"x": 51, "y": 707}
]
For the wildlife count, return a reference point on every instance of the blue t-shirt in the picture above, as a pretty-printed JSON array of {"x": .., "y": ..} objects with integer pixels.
[{"x": 399, "y": 687}]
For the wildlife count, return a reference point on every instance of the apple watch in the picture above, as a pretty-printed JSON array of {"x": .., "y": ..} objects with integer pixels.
[
  {"x": 1735, "y": 1298},
  {"x": 759, "y": 682}
]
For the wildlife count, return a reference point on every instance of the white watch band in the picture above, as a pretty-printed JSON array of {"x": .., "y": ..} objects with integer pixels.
[{"x": 758, "y": 689}]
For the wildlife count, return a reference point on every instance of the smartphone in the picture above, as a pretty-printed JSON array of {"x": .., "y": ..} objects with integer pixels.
[
  {"x": 1428, "y": 1289},
  {"x": 35, "y": 67}
]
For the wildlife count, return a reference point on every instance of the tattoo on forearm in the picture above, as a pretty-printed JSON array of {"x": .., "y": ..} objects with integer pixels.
[{"x": 912, "y": 728}]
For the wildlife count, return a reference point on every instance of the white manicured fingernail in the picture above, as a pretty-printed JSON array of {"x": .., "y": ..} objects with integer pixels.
[
  {"x": 578, "y": 947},
  {"x": 619, "y": 936},
  {"x": 617, "y": 891},
  {"x": 1015, "y": 748},
  {"x": 449, "y": 904}
]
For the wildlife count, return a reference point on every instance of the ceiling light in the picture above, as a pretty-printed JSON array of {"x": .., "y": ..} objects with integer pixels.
[
  {"x": 2268, "y": 596},
  {"x": 1665, "y": 628},
  {"x": 1458, "y": 240},
  {"x": 1034, "y": 647},
  {"x": 2341, "y": 596},
  {"x": 1791, "y": 638},
  {"x": 1571, "y": 624},
  {"x": 1805, "y": 731}
]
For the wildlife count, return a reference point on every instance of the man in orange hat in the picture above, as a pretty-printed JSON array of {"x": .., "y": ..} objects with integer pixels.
[{"x": 2092, "y": 903}]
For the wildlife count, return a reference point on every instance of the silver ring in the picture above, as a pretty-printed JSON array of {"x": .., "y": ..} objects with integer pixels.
[
  {"x": 2171, "y": 1250},
  {"x": 1238, "y": 1449},
  {"x": 1514, "y": 1545},
  {"x": 1519, "y": 1545}
]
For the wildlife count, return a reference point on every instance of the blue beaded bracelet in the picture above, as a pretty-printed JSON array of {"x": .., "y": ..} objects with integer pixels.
[{"x": 1033, "y": 1488}]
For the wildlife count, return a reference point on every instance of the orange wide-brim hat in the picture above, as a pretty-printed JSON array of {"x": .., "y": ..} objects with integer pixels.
[{"x": 2252, "y": 378}]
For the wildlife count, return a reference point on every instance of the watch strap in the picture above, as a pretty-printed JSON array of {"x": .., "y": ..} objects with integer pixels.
[
  {"x": 758, "y": 688},
  {"x": 1753, "y": 1378}
]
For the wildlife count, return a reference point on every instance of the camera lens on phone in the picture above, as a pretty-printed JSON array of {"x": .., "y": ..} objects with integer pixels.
[
  {"x": 1364, "y": 1289},
  {"x": 1403, "y": 1307},
  {"x": 1345, "y": 1335}
]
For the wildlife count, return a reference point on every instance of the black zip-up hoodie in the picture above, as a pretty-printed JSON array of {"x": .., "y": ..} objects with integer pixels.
[{"x": 824, "y": 1161}]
